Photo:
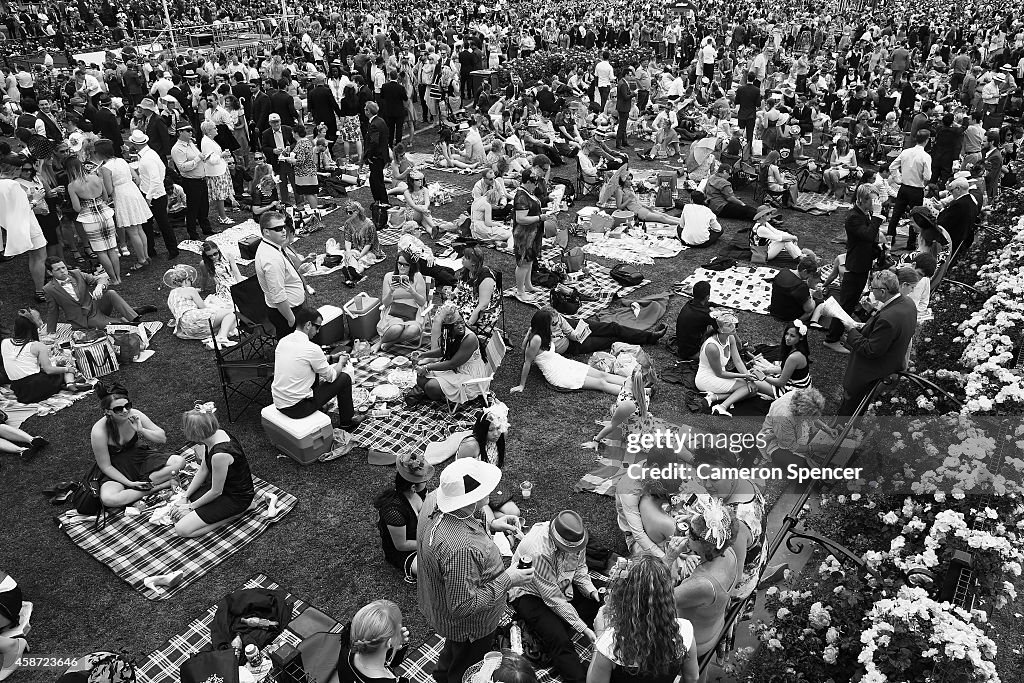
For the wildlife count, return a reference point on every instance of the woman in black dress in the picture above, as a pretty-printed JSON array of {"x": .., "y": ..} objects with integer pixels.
[
  {"x": 130, "y": 470},
  {"x": 398, "y": 509},
  {"x": 530, "y": 224},
  {"x": 222, "y": 488}
]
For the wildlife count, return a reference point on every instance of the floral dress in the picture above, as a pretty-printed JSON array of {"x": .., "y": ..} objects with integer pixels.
[
  {"x": 466, "y": 296},
  {"x": 223, "y": 279},
  {"x": 190, "y": 321},
  {"x": 360, "y": 232},
  {"x": 641, "y": 421}
]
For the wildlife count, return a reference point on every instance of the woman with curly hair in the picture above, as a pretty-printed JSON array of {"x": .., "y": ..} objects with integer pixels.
[
  {"x": 642, "y": 639},
  {"x": 476, "y": 296}
]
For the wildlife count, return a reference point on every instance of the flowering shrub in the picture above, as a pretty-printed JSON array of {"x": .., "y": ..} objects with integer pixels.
[{"x": 907, "y": 636}]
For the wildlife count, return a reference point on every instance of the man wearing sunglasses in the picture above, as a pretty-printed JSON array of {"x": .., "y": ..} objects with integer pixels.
[
  {"x": 278, "y": 269},
  {"x": 305, "y": 380}
]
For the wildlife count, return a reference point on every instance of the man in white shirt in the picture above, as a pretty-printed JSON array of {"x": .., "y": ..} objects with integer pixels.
[
  {"x": 89, "y": 84},
  {"x": 915, "y": 168},
  {"x": 152, "y": 171},
  {"x": 605, "y": 74},
  {"x": 162, "y": 85},
  {"x": 278, "y": 271},
  {"x": 191, "y": 164},
  {"x": 304, "y": 378},
  {"x": 700, "y": 227}
]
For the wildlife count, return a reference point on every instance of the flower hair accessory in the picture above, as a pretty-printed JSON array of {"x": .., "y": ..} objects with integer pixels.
[
  {"x": 724, "y": 316},
  {"x": 497, "y": 414},
  {"x": 801, "y": 327},
  {"x": 207, "y": 407},
  {"x": 716, "y": 519}
]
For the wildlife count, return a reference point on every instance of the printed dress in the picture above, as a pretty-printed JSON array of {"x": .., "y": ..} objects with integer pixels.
[{"x": 130, "y": 207}]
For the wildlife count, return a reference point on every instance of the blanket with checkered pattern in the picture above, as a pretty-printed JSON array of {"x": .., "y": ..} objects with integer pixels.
[
  {"x": 163, "y": 665},
  {"x": 640, "y": 250},
  {"x": 613, "y": 461},
  {"x": 596, "y": 282},
  {"x": 413, "y": 422},
  {"x": 135, "y": 549},
  {"x": 746, "y": 288}
]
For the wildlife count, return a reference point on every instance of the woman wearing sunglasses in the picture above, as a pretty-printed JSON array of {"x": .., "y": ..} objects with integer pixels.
[
  {"x": 129, "y": 470},
  {"x": 219, "y": 273}
]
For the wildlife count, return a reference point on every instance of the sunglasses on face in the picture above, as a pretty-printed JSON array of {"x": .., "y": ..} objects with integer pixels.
[
  {"x": 28, "y": 170},
  {"x": 350, "y": 211},
  {"x": 117, "y": 410},
  {"x": 277, "y": 228}
]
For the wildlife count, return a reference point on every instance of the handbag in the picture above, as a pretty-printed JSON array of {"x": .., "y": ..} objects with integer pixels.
[
  {"x": 210, "y": 665},
  {"x": 403, "y": 311},
  {"x": 86, "y": 498},
  {"x": 137, "y": 330},
  {"x": 574, "y": 259},
  {"x": 96, "y": 358},
  {"x": 128, "y": 346},
  {"x": 627, "y": 275},
  {"x": 566, "y": 300}
]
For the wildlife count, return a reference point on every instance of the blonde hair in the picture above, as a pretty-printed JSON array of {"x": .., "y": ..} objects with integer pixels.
[
  {"x": 808, "y": 402},
  {"x": 199, "y": 425},
  {"x": 374, "y": 625},
  {"x": 177, "y": 276}
]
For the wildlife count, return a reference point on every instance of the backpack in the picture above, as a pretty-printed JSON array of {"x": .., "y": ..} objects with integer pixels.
[
  {"x": 627, "y": 275},
  {"x": 566, "y": 300}
]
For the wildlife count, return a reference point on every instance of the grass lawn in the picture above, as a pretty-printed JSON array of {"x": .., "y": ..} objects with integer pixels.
[{"x": 327, "y": 549}]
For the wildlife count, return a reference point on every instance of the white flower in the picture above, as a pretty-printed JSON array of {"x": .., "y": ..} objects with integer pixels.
[
  {"x": 832, "y": 635},
  {"x": 818, "y": 616},
  {"x": 830, "y": 654},
  {"x": 890, "y": 518},
  {"x": 782, "y": 613},
  {"x": 774, "y": 644}
]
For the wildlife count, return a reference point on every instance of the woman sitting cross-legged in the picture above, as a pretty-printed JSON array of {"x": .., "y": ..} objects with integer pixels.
[
  {"x": 193, "y": 317},
  {"x": 417, "y": 206},
  {"x": 482, "y": 225},
  {"x": 841, "y": 162},
  {"x": 398, "y": 509},
  {"x": 403, "y": 295},
  {"x": 655, "y": 646},
  {"x": 559, "y": 371},
  {"x": 793, "y": 370},
  {"x": 442, "y": 372},
  {"x": 714, "y": 378},
  {"x": 222, "y": 489},
  {"x": 26, "y": 361},
  {"x": 130, "y": 470},
  {"x": 618, "y": 192},
  {"x": 360, "y": 242}
]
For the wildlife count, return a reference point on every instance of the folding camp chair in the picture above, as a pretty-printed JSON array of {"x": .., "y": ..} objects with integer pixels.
[
  {"x": 496, "y": 350},
  {"x": 425, "y": 320},
  {"x": 245, "y": 370},
  {"x": 585, "y": 184}
]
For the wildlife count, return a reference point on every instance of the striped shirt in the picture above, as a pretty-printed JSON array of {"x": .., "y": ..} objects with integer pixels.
[
  {"x": 555, "y": 573},
  {"x": 462, "y": 585}
]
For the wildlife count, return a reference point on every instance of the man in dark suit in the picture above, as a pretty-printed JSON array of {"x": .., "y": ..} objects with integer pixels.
[
  {"x": 275, "y": 141},
  {"x": 861, "y": 240},
  {"x": 108, "y": 125},
  {"x": 282, "y": 104},
  {"x": 960, "y": 216},
  {"x": 748, "y": 101},
  {"x": 992, "y": 162},
  {"x": 54, "y": 131},
  {"x": 71, "y": 291},
  {"x": 243, "y": 92},
  {"x": 879, "y": 347},
  {"x": 391, "y": 100},
  {"x": 323, "y": 107},
  {"x": 156, "y": 129},
  {"x": 261, "y": 107},
  {"x": 376, "y": 152}
]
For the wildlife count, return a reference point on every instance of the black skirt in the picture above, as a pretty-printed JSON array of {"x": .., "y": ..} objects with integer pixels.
[{"x": 37, "y": 387}]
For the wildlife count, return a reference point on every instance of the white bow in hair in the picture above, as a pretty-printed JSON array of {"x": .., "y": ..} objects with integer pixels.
[{"x": 207, "y": 407}]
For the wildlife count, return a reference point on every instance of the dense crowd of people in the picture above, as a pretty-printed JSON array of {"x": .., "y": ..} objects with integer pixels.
[{"x": 907, "y": 112}]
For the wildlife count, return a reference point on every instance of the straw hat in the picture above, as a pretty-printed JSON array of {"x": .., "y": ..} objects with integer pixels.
[
  {"x": 764, "y": 211},
  {"x": 138, "y": 138}
]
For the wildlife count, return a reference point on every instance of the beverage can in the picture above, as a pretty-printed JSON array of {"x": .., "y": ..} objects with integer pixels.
[{"x": 525, "y": 562}]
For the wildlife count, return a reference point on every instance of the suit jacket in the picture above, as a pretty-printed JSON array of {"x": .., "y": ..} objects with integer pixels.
[
  {"x": 392, "y": 99},
  {"x": 267, "y": 142},
  {"x": 53, "y": 130},
  {"x": 993, "y": 164},
  {"x": 861, "y": 237},
  {"x": 109, "y": 126},
  {"x": 322, "y": 104},
  {"x": 261, "y": 111},
  {"x": 376, "y": 145},
  {"x": 79, "y": 312},
  {"x": 243, "y": 94},
  {"x": 880, "y": 347},
  {"x": 958, "y": 218},
  {"x": 282, "y": 104},
  {"x": 159, "y": 136}
]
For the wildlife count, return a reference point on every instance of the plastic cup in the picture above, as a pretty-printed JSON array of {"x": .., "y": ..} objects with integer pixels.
[{"x": 526, "y": 488}]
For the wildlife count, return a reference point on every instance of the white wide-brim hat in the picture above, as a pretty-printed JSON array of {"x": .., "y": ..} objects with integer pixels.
[{"x": 465, "y": 482}]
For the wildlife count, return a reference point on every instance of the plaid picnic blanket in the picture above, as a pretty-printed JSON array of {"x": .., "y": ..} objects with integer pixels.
[
  {"x": 747, "y": 288},
  {"x": 412, "y": 424},
  {"x": 135, "y": 549},
  {"x": 596, "y": 283},
  {"x": 163, "y": 664},
  {"x": 613, "y": 462}
]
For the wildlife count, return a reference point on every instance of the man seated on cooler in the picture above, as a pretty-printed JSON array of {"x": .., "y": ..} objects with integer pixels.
[
  {"x": 304, "y": 378},
  {"x": 74, "y": 292},
  {"x": 700, "y": 226},
  {"x": 561, "y": 600}
]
